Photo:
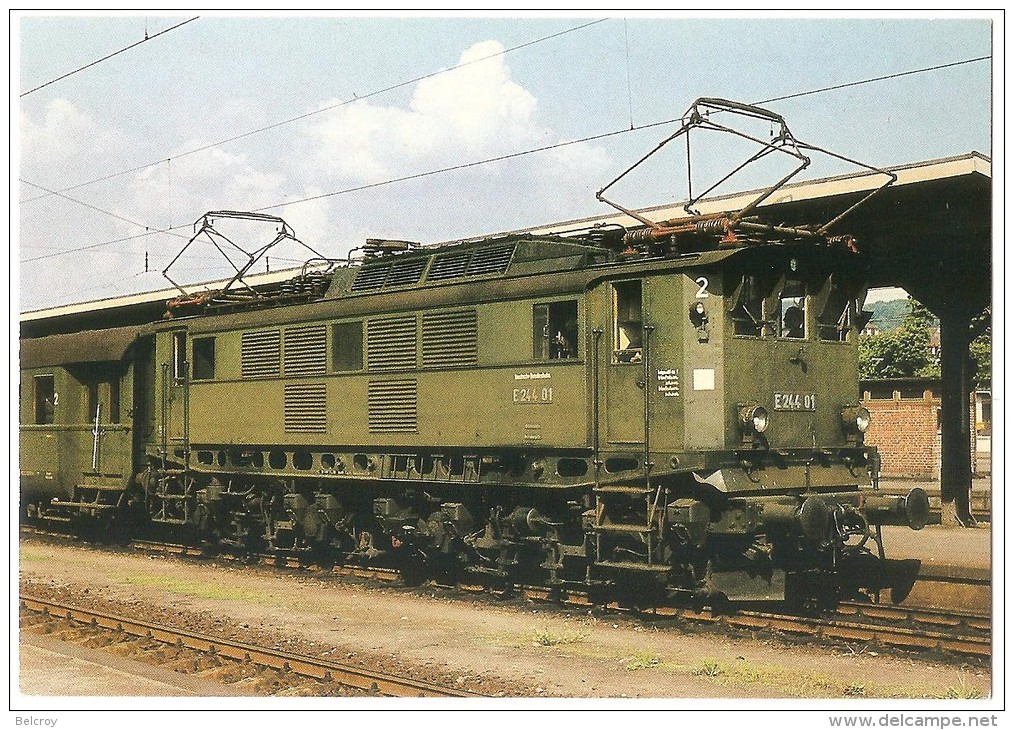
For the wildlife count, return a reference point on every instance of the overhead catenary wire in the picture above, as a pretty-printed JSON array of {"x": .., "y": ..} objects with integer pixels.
[
  {"x": 897, "y": 75},
  {"x": 106, "y": 58},
  {"x": 95, "y": 207},
  {"x": 523, "y": 153},
  {"x": 322, "y": 110},
  {"x": 595, "y": 137}
]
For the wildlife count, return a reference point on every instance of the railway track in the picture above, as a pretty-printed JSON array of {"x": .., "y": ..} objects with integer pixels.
[
  {"x": 316, "y": 668},
  {"x": 870, "y": 625}
]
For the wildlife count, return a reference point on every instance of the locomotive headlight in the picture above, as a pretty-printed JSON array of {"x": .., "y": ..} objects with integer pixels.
[
  {"x": 855, "y": 418},
  {"x": 863, "y": 420},
  {"x": 753, "y": 419}
]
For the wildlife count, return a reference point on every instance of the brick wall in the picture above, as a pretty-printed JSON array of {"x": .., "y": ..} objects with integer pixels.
[{"x": 905, "y": 426}]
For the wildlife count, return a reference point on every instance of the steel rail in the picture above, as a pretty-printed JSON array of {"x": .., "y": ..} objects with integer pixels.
[
  {"x": 899, "y": 614},
  {"x": 862, "y": 627},
  {"x": 872, "y": 634},
  {"x": 313, "y": 667},
  {"x": 901, "y": 637}
]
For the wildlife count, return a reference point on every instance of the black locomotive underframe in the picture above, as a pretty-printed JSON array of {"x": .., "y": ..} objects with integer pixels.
[{"x": 454, "y": 514}]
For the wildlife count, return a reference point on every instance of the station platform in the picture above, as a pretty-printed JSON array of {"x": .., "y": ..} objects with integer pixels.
[{"x": 957, "y": 563}]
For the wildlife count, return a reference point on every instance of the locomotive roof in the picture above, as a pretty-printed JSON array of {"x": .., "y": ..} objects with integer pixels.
[{"x": 500, "y": 256}]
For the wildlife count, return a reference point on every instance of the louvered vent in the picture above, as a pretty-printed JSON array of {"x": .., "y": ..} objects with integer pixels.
[
  {"x": 370, "y": 277},
  {"x": 492, "y": 260},
  {"x": 405, "y": 273},
  {"x": 305, "y": 350},
  {"x": 449, "y": 339},
  {"x": 260, "y": 354},
  {"x": 476, "y": 262},
  {"x": 390, "y": 343},
  {"x": 306, "y": 408},
  {"x": 393, "y": 406},
  {"x": 397, "y": 273},
  {"x": 449, "y": 265}
]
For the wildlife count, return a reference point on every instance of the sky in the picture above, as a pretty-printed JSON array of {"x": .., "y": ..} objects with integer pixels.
[{"x": 172, "y": 124}]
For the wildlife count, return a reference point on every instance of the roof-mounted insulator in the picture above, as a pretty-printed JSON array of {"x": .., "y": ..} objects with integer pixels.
[{"x": 387, "y": 247}]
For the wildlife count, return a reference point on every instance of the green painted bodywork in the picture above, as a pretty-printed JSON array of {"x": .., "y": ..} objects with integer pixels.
[
  {"x": 55, "y": 457},
  {"x": 508, "y": 400}
]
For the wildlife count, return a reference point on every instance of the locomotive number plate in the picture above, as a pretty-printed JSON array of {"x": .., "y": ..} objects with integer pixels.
[
  {"x": 795, "y": 402},
  {"x": 533, "y": 396}
]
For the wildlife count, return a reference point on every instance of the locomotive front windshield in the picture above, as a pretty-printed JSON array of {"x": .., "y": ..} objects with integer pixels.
[
  {"x": 799, "y": 312},
  {"x": 824, "y": 306}
]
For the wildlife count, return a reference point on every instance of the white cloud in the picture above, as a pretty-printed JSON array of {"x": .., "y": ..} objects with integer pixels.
[
  {"x": 471, "y": 111},
  {"x": 64, "y": 134}
]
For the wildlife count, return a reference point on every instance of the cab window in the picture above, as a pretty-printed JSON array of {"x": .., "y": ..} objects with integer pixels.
[
  {"x": 838, "y": 310},
  {"x": 629, "y": 324},
  {"x": 748, "y": 311},
  {"x": 45, "y": 399},
  {"x": 792, "y": 310},
  {"x": 179, "y": 355},
  {"x": 554, "y": 330},
  {"x": 204, "y": 358}
]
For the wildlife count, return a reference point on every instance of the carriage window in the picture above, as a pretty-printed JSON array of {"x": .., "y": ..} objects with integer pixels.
[
  {"x": 748, "y": 314},
  {"x": 204, "y": 358},
  {"x": 347, "y": 341},
  {"x": 93, "y": 401},
  {"x": 629, "y": 324},
  {"x": 792, "y": 310},
  {"x": 45, "y": 399},
  {"x": 554, "y": 330},
  {"x": 114, "y": 400}
]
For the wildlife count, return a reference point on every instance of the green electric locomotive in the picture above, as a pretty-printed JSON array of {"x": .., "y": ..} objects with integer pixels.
[{"x": 662, "y": 411}]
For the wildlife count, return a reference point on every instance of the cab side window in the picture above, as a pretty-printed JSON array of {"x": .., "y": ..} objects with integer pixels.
[
  {"x": 628, "y": 322},
  {"x": 836, "y": 311},
  {"x": 204, "y": 358},
  {"x": 554, "y": 330},
  {"x": 748, "y": 311},
  {"x": 179, "y": 355}
]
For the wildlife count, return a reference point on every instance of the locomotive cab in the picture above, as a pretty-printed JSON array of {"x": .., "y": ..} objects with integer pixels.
[{"x": 732, "y": 392}]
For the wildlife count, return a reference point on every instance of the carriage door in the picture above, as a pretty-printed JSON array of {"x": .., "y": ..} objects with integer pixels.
[{"x": 623, "y": 357}]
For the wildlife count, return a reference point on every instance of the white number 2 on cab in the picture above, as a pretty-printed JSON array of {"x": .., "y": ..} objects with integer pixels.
[{"x": 702, "y": 293}]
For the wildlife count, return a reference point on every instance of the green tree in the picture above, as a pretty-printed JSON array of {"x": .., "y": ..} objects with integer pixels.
[
  {"x": 902, "y": 352},
  {"x": 981, "y": 348}
]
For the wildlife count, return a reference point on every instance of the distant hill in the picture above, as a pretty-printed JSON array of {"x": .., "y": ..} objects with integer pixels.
[{"x": 888, "y": 315}]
